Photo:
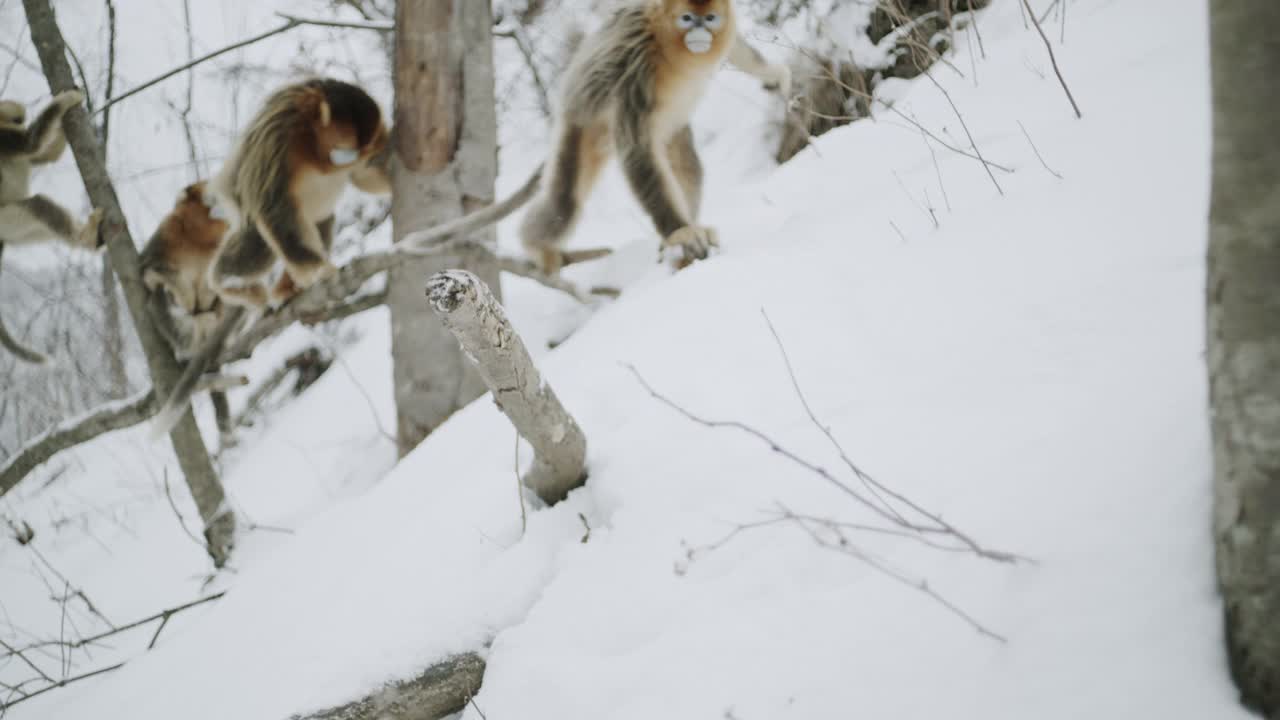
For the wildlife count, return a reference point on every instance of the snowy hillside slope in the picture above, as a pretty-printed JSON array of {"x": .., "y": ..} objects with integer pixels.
[{"x": 1031, "y": 369}]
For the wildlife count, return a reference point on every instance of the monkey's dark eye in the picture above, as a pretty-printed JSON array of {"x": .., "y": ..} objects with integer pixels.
[
  {"x": 712, "y": 21},
  {"x": 686, "y": 21}
]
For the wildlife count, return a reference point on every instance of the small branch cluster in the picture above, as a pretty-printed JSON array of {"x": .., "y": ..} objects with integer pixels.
[
  {"x": 897, "y": 514},
  {"x": 43, "y": 682}
]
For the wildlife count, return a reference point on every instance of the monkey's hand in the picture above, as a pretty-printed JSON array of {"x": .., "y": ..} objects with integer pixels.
[
  {"x": 695, "y": 240},
  {"x": 90, "y": 235},
  {"x": 779, "y": 81},
  {"x": 68, "y": 99}
]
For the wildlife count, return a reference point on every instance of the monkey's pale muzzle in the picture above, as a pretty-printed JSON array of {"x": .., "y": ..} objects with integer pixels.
[
  {"x": 343, "y": 156},
  {"x": 698, "y": 40}
]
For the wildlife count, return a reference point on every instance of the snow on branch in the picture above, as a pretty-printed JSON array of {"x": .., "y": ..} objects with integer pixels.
[
  {"x": 470, "y": 311},
  {"x": 68, "y": 434}
]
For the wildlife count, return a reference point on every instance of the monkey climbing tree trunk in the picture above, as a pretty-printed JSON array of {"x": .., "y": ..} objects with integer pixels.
[
  {"x": 444, "y": 166},
  {"x": 1244, "y": 338},
  {"x": 188, "y": 445}
]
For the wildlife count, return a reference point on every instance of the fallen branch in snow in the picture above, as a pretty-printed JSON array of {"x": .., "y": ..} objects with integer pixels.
[
  {"x": 905, "y": 517},
  {"x": 8, "y": 704},
  {"x": 1053, "y": 59},
  {"x": 440, "y": 691},
  {"x": 163, "y": 616},
  {"x": 965, "y": 126},
  {"x": 834, "y": 539},
  {"x": 469, "y": 310},
  {"x": 115, "y": 416}
]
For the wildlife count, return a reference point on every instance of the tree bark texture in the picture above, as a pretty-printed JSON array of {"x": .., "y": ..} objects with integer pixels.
[
  {"x": 478, "y": 321},
  {"x": 1244, "y": 338},
  {"x": 440, "y": 691},
  {"x": 445, "y": 165},
  {"x": 188, "y": 445}
]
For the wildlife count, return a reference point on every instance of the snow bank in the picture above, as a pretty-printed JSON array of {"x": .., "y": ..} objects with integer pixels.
[{"x": 1030, "y": 369}]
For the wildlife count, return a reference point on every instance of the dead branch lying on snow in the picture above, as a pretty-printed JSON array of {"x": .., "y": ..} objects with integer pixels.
[
  {"x": 900, "y": 515},
  {"x": 20, "y": 693},
  {"x": 440, "y": 691},
  {"x": 468, "y": 309}
]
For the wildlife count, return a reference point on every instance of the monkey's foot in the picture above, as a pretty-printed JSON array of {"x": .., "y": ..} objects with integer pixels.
[
  {"x": 203, "y": 324},
  {"x": 69, "y": 98},
  {"x": 779, "y": 81},
  {"x": 550, "y": 260},
  {"x": 90, "y": 235},
  {"x": 302, "y": 277},
  {"x": 695, "y": 240}
]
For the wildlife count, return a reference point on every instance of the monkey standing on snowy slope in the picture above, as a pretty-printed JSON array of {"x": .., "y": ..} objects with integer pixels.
[{"x": 630, "y": 90}]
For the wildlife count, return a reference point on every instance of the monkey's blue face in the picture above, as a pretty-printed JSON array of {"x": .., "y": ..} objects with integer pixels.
[{"x": 699, "y": 30}]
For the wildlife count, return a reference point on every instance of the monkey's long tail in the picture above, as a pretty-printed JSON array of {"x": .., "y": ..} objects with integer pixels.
[
  {"x": 19, "y": 351},
  {"x": 476, "y": 221},
  {"x": 180, "y": 395}
]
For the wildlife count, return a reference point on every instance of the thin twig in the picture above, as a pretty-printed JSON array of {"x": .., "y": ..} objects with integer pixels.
[
  {"x": 325, "y": 22},
  {"x": 938, "y": 171},
  {"x": 19, "y": 654},
  {"x": 82, "y": 642},
  {"x": 178, "y": 513},
  {"x": 60, "y": 684},
  {"x": 1036, "y": 150},
  {"x": 524, "y": 512},
  {"x": 1053, "y": 59},
  {"x": 972, "y": 143},
  {"x": 291, "y": 24},
  {"x": 843, "y": 546}
]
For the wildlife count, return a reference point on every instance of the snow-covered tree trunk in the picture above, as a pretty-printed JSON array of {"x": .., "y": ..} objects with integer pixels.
[
  {"x": 439, "y": 692},
  {"x": 188, "y": 445},
  {"x": 445, "y": 165},
  {"x": 1244, "y": 338},
  {"x": 477, "y": 320}
]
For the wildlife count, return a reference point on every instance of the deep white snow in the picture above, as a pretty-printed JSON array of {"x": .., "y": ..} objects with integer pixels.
[{"x": 1030, "y": 369}]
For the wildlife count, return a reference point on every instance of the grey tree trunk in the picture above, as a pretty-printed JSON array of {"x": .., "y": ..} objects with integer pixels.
[
  {"x": 1244, "y": 338},
  {"x": 477, "y": 320},
  {"x": 188, "y": 445},
  {"x": 445, "y": 165}
]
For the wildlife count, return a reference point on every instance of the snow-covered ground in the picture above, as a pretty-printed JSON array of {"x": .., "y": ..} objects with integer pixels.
[{"x": 1030, "y": 369}]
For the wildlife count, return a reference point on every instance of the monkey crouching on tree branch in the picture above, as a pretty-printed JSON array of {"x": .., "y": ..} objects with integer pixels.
[
  {"x": 29, "y": 219},
  {"x": 283, "y": 181},
  {"x": 630, "y": 90},
  {"x": 175, "y": 269},
  {"x": 278, "y": 192}
]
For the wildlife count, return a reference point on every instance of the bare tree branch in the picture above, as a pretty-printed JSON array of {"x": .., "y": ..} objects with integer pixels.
[
  {"x": 1053, "y": 58},
  {"x": 468, "y": 309},
  {"x": 287, "y": 26},
  {"x": 112, "y": 417},
  {"x": 323, "y": 22},
  {"x": 202, "y": 480}
]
